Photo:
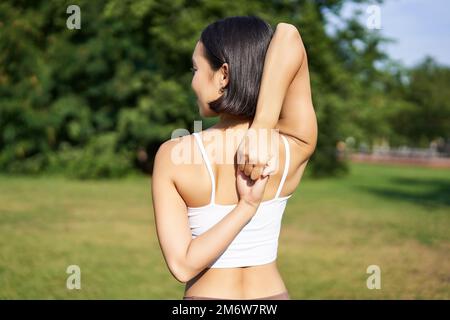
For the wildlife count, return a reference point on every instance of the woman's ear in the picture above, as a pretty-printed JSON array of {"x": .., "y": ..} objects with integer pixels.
[{"x": 224, "y": 75}]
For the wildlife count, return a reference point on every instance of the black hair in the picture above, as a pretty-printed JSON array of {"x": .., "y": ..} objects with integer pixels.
[{"x": 242, "y": 42}]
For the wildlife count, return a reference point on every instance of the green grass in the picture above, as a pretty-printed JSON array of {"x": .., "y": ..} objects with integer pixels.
[{"x": 395, "y": 217}]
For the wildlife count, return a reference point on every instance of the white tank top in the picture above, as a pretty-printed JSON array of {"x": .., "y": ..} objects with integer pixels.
[{"x": 257, "y": 242}]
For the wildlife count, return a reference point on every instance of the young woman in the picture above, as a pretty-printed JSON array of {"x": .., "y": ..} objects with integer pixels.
[{"x": 218, "y": 224}]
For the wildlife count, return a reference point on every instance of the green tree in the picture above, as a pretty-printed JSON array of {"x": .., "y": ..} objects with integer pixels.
[{"x": 119, "y": 86}]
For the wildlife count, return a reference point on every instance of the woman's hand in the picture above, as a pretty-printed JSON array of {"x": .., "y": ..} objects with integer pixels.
[
  {"x": 249, "y": 190},
  {"x": 256, "y": 154}
]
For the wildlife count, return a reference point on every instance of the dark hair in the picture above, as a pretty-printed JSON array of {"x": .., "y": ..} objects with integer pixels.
[{"x": 242, "y": 42}]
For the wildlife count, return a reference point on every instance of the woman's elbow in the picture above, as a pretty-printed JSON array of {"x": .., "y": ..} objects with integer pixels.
[
  {"x": 293, "y": 40},
  {"x": 182, "y": 277},
  {"x": 287, "y": 27},
  {"x": 181, "y": 272}
]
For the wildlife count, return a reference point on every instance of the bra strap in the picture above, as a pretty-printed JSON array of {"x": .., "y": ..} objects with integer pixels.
[
  {"x": 286, "y": 166},
  {"x": 208, "y": 165}
]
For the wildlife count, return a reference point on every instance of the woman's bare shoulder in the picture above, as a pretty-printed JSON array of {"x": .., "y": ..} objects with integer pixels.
[{"x": 175, "y": 150}]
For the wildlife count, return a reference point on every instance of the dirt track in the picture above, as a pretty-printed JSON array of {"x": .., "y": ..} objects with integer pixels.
[{"x": 382, "y": 159}]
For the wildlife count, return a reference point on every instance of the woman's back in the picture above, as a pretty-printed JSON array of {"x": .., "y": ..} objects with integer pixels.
[
  {"x": 193, "y": 183},
  {"x": 223, "y": 162}
]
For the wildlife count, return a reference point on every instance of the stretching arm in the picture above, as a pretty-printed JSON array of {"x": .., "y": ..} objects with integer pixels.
[
  {"x": 284, "y": 100},
  {"x": 187, "y": 257}
]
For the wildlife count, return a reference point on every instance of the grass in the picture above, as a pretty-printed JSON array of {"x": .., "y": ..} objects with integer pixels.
[{"x": 395, "y": 217}]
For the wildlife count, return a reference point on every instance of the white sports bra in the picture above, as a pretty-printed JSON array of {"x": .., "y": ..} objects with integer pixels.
[{"x": 257, "y": 242}]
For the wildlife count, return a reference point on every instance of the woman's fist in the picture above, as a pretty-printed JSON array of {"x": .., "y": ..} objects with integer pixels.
[
  {"x": 252, "y": 191},
  {"x": 256, "y": 154}
]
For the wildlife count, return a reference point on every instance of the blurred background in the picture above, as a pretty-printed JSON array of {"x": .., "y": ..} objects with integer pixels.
[{"x": 89, "y": 92}]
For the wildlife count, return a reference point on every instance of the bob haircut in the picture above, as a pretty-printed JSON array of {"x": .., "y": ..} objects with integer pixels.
[{"x": 242, "y": 42}]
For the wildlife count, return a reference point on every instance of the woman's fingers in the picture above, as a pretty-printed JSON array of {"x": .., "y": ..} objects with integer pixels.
[
  {"x": 253, "y": 168},
  {"x": 248, "y": 169},
  {"x": 270, "y": 167},
  {"x": 242, "y": 159},
  {"x": 256, "y": 172},
  {"x": 251, "y": 160}
]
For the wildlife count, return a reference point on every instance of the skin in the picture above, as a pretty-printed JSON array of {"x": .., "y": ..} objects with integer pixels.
[{"x": 290, "y": 112}]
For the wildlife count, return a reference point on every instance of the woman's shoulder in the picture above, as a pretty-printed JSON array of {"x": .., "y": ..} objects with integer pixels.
[
  {"x": 172, "y": 142},
  {"x": 172, "y": 149}
]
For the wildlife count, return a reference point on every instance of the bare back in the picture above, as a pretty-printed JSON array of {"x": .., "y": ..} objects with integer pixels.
[{"x": 194, "y": 185}]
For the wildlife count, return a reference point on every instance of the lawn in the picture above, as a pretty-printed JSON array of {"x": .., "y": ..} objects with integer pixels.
[{"x": 397, "y": 218}]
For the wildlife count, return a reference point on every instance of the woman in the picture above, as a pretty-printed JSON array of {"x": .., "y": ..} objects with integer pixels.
[{"x": 218, "y": 224}]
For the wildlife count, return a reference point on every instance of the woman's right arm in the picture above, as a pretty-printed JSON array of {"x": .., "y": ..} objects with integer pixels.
[
  {"x": 284, "y": 57},
  {"x": 284, "y": 100},
  {"x": 187, "y": 257}
]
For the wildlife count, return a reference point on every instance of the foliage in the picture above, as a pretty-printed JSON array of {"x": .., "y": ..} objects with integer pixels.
[{"x": 87, "y": 101}]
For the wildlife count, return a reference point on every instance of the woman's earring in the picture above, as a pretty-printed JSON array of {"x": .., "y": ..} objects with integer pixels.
[{"x": 221, "y": 90}]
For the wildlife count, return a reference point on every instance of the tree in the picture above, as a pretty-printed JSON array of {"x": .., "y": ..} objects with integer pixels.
[{"x": 118, "y": 87}]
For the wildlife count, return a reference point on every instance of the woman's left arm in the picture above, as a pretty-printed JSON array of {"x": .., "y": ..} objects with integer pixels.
[{"x": 187, "y": 257}]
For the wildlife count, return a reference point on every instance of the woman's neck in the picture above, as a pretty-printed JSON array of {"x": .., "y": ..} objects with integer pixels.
[{"x": 231, "y": 121}]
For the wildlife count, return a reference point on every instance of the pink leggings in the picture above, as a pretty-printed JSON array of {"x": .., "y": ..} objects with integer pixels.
[{"x": 281, "y": 296}]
